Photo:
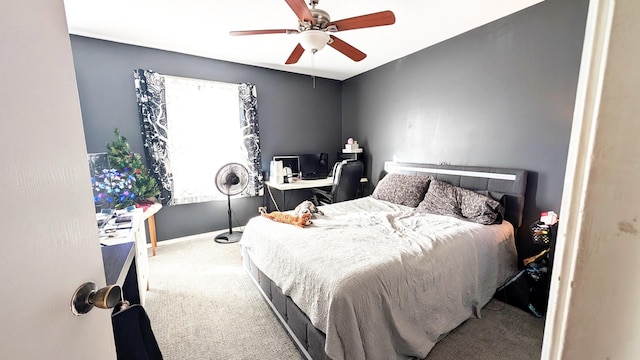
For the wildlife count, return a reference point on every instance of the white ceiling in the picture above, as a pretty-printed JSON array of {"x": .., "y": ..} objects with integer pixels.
[{"x": 201, "y": 27}]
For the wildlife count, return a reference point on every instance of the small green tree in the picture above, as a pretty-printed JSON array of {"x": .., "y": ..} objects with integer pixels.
[{"x": 124, "y": 160}]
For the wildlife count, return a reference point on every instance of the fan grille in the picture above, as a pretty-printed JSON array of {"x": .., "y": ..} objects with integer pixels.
[{"x": 232, "y": 179}]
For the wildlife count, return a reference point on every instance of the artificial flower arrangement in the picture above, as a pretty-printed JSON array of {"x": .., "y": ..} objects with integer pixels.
[
  {"x": 113, "y": 189},
  {"x": 124, "y": 179}
]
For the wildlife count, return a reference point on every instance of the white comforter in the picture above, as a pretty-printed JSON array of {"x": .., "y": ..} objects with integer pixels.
[{"x": 383, "y": 281}]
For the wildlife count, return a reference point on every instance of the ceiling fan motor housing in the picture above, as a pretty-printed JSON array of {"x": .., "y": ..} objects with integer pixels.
[{"x": 321, "y": 17}]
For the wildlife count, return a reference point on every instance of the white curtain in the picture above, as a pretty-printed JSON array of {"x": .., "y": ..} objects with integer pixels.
[{"x": 204, "y": 135}]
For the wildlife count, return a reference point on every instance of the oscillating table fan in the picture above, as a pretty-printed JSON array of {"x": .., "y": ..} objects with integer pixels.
[{"x": 231, "y": 179}]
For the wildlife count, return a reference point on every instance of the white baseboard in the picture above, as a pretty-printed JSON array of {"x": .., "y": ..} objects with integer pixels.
[{"x": 211, "y": 234}]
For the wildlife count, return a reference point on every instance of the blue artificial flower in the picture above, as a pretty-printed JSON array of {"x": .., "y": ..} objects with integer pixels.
[{"x": 113, "y": 187}]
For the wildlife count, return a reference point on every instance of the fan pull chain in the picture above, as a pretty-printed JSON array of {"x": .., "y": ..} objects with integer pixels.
[{"x": 313, "y": 67}]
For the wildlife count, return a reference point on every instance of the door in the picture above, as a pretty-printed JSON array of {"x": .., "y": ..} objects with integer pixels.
[{"x": 48, "y": 243}]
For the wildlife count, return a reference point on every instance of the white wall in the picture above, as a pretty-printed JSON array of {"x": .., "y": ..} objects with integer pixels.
[{"x": 594, "y": 305}]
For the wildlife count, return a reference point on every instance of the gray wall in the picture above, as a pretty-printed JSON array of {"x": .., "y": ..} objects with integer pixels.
[
  {"x": 294, "y": 117},
  {"x": 499, "y": 95}
]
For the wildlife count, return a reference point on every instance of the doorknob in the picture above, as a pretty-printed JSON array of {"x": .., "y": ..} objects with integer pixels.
[{"x": 86, "y": 297}]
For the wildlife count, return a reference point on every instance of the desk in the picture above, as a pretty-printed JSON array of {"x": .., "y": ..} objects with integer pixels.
[
  {"x": 302, "y": 185},
  {"x": 132, "y": 233}
]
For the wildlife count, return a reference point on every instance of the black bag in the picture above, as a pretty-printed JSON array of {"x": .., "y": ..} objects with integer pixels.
[{"x": 133, "y": 335}]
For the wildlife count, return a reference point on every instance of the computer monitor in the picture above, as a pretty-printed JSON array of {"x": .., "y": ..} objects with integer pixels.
[
  {"x": 314, "y": 166},
  {"x": 290, "y": 161}
]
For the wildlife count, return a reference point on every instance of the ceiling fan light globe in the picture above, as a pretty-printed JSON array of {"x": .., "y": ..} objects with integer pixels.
[{"x": 313, "y": 40}]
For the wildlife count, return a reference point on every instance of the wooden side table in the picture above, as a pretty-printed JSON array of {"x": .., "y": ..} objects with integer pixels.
[{"x": 149, "y": 216}]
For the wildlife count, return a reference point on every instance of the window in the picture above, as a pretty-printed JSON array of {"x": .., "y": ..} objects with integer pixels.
[{"x": 191, "y": 128}]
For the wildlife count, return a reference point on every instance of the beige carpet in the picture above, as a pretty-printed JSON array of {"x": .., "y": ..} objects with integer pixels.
[
  {"x": 202, "y": 305},
  {"x": 503, "y": 333}
]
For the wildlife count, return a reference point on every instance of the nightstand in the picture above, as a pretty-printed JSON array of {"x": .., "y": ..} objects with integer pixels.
[{"x": 539, "y": 267}]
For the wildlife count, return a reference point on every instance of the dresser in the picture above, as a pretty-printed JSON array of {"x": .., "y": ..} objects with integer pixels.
[{"x": 113, "y": 233}]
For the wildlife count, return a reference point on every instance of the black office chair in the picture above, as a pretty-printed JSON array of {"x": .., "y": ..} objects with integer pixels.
[{"x": 346, "y": 183}]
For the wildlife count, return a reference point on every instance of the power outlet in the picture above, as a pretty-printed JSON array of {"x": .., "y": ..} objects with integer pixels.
[{"x": 262, "y": 209}]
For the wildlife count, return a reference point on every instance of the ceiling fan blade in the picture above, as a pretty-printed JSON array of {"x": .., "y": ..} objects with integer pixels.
[
  {"x": 365, "y": 21},
  {"x": 295, "y": 55},
  {"x": 351, "y": 52},
  {"x": 301, "y": 10},
  {"x": 260, "y": 32}
]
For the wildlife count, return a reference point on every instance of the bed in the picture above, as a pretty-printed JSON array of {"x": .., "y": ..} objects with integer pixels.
[{"x": 381, "y": 278}]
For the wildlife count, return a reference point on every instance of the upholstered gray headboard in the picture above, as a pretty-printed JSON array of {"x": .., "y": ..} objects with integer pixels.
[{"x": 511, "y": 182}]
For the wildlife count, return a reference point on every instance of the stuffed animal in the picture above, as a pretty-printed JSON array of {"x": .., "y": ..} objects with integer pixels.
[
  {"x": 307, "y": 207},
  {"x": 300, "y": 221}
]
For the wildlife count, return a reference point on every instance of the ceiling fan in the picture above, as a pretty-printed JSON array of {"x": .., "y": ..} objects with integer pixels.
[{"x": 314, "y": 26}]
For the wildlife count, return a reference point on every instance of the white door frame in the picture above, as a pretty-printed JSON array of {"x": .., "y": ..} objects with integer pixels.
[{"x": 592, "y": 312}]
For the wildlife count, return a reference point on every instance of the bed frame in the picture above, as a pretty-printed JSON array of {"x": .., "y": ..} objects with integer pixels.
[{"x": 309, "y": 340}]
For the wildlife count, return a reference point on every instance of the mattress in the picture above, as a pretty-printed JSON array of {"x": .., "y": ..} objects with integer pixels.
[{"x": 381, "y": 280}]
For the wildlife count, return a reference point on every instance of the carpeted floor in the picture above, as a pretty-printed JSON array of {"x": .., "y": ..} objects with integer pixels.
[
  {"x": 503, "y": 333},
  {"x": 202, "y": 305}
]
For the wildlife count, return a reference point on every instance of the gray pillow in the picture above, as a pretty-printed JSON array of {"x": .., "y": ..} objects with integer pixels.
[
  {"x": 449, "y": 200},
  {"x": 442, "y": 199},
  {"x": 401, "y": 189},
  {"x": 479, "y": 208},
  {"x": 500, "y": 198}
]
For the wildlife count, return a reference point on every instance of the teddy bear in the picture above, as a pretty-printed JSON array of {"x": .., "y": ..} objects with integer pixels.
[{"x": 300, "y": 221}]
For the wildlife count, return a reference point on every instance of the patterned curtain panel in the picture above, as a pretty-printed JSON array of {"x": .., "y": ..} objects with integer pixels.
[
  {"x": 251, "y": 137},
  {"x": 150, "y": 92}
]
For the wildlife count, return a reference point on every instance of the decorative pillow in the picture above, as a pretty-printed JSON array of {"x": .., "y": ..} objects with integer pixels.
[
  {"x": 442, "y": 199},
  {"x": 446, "y": 199},
  {"x": 480, "y": 208},
  {"x": 401, "y": 189},
  {"x": 497, "y": 196}
]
